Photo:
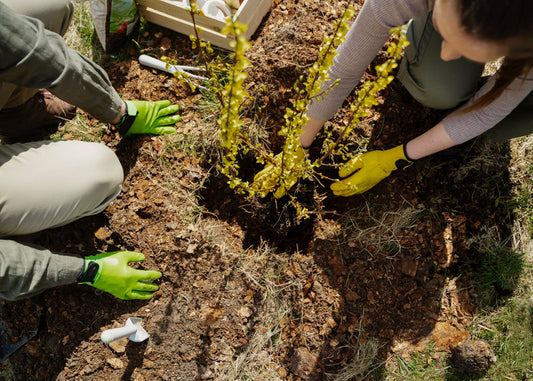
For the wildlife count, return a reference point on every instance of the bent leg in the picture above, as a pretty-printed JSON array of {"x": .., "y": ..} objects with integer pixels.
[
  {"x": 518, "y": 123},
  {"x": 430, "y": 80},
  {"x": 51, "y": 183},
  {"x": 56, "y": 16}
]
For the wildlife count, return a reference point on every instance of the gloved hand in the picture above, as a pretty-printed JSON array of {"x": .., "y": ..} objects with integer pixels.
[
  {"x": 110, "y": 272},
  {"x": 152, "y": 117},
  {"x": 373, "y": 167},
  {"x": 268, "y": 176}
]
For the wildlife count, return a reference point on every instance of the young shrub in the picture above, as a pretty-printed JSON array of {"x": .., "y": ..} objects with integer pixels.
[
  {"x": 287, "y": 169},
  {"x": 291, "y": 164}
]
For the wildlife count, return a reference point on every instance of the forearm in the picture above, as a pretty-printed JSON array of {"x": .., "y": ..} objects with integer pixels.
[
  {"x": 364, "y": 40},
  {"x": 26, "y": 270},
  {"x": 311, "y": 130},
  {"x": 434, "y": 140}
]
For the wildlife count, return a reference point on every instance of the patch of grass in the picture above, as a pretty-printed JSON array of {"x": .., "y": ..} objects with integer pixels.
[
  {"x": 524, "y": 203},
  {"x": 81, "y": 35},
  {"x": 259, "y": 360},
  {"x": 496, "y": 269},
  {"x": 427, "y": 365},
  {"x": 508, "y": 326},
  {"x": 522, "y": 170},
  {"x": 486, "y": 160},
  {"x": 176, "y": 146},
  {"x": 509, "y": 331}
]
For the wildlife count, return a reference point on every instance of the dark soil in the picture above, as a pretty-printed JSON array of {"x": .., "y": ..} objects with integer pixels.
[{"x": 401, "y": 285}]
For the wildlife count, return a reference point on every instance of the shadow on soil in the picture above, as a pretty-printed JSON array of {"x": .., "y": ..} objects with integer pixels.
[{"x": 401, "y": 285}]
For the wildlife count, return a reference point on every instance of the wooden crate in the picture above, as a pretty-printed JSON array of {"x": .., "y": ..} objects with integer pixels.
[{"x": 172, "y": 14}]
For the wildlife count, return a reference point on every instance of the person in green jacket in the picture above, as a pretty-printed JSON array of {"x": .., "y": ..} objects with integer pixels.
[{"x": 50, "y": 183}]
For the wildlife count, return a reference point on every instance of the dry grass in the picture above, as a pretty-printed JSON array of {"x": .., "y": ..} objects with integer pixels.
[
  {"x": 362, "y": 362},
  {"x": 384, "y": 231},
  {"x": 260, "y": 358}
]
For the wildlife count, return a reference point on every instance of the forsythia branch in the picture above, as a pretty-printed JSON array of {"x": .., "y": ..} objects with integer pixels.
[{"x": 284, "y": 169}]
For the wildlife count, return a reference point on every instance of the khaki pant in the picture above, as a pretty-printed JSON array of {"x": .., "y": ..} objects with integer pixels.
[
  {"x": 447, "y": 84},
  {"x": 51, "y": 183},
  {"x": 56, "y": 16}
]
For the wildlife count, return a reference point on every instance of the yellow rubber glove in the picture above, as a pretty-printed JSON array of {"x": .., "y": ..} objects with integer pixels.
[
  {"x": 268, "y": 177},
  {"x": 372, "y": 167},
  {"x": 111, "y": 273}
]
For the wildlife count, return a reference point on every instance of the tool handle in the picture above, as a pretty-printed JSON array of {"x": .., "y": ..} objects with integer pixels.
[
  {"x": 113, "y": 334},
  {"x": 155, "y": 63}
]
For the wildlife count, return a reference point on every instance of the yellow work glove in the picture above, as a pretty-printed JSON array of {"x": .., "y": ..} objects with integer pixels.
[
  {"x": 372, "y": 167},
  {"x": 268, "y": 177}
]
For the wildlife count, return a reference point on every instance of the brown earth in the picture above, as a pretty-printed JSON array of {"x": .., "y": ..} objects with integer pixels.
[{"x": 374, "y": 278}]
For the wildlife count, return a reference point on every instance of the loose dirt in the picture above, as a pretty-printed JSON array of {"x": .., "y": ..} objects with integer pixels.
[{"x": 383, "y": 267}]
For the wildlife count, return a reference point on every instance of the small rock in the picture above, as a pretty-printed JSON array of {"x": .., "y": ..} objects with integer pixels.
[
  {"x": 317, "y": 288},
  {"x": 206, "y": 375},
  {"x": 306, "y": 365},
  {"x": 408, "y": 266},
  {"x": 33, "y": 348},
  {"x": 115, "y": 363},
  {"x": 103, "y": 233},
  {"x": 119, "y": 346},
  {"x": 137, "y": 377},
  {"x": 88, "y": 369},
  {"x": 245, "y": 312},
  {"x": 473, "y": 357}
]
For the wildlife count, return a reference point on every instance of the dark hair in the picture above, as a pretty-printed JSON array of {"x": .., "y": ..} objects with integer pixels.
[{"x": 509, "y": 22}]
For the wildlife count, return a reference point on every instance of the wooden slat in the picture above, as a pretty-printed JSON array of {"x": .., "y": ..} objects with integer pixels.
[
  {"x": 251, "y": 13},
  {"x": 184, "y": 27},
  {"x": 170, "y": 15},
  {"x": 172, "y": 9}
]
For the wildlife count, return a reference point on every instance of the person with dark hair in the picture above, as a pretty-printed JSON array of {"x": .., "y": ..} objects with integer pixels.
[
  {"x": 47, "y": 184},
  {"x": 450, "y": 41}
]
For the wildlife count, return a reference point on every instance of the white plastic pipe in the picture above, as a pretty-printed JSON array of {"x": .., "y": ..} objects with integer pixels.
[
  {"x": 117, "y": 333},
  {"x": 132, "y": 328}
]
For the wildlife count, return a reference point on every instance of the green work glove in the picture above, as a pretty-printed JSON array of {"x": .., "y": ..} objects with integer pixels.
[
  {"x": 268, "y": 176},
  {"x": 110, "y": 272},
  {"x": 372, "y": 167},
  {"x": 147, "y": 117}
]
